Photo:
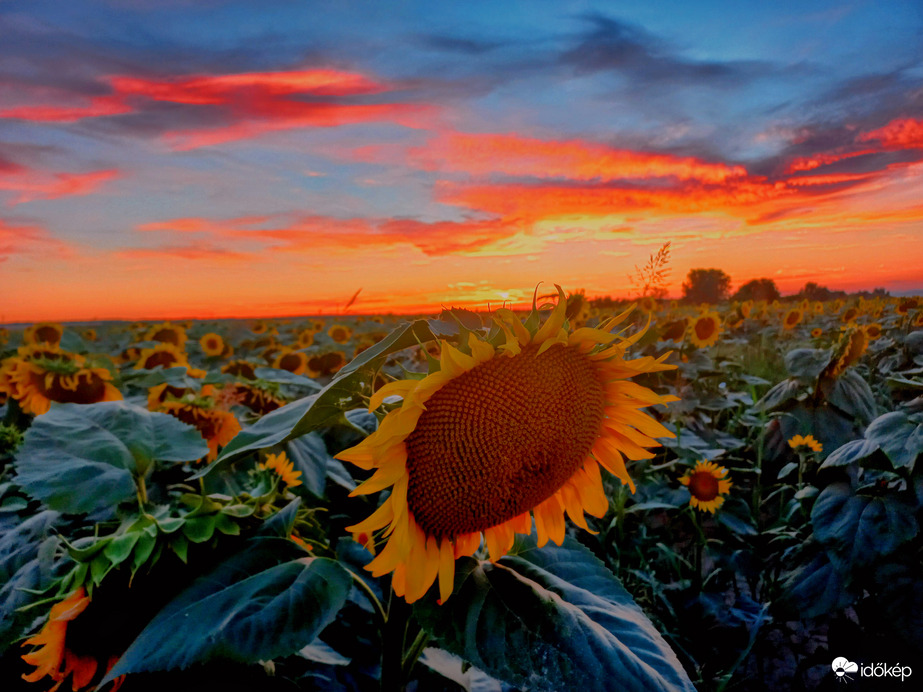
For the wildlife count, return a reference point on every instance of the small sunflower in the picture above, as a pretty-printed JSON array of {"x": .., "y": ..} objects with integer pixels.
[
  {"x": 168, "y": 333},
  {"x": 792, "y": 318},
  {"x": 283, "y": 468},
  {"x": 906, "y": 305},
  {"x": 745, "y": 308},
  {"x": 806, "y": 441},
  {"x": 705, "y": 329},
  {"x": 240, "y": 368},
  {"x": 305, "y": 338},
  {"x": 293, "y": 361},
  {"x": 707, "y": 485},
  {"x": 500, "y": 434},
  {"x": 673, "y": 331},
  {"x": 326, "y": 363},
  {"x": 648, "y": 304},
  {"x": 212, "y": 344},
  {"x": 260, "y": 398},
  {"x": 340, "y": 333},
  {"x": 816, "y": 333},
  {"x": 43, "y": 333},
  {"x": 164, "y": 355},
  {"x": 872, "y": 331},
  {"x": 89, "y": 334},
  {"x": 849, "y": 315}
]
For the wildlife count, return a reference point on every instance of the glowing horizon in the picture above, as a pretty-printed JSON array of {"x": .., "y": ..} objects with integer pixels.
[{"x": 447, "y": 156}]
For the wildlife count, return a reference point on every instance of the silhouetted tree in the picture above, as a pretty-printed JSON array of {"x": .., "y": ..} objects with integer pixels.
[
  {"x": 757, "y": 289},
  {"x": 706, "y": 286},
  {"x": 813, "y": 291}
]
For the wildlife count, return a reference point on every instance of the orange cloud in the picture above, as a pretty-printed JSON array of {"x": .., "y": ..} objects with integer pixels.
[
  {"x": 510, "y": 154},
  {"x": 18, "y": 239},
  {"x": 98, "y": 107},
  {"x": 32, "y": 184}
]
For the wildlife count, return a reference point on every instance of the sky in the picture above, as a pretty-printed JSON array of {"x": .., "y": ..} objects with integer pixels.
[{"x": 204, "y": 158}]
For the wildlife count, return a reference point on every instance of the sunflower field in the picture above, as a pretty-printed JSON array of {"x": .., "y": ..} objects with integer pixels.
[{"x": 581, "y": 495}]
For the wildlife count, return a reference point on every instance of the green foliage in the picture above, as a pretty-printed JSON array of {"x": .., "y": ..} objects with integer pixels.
[
  {"x": 552, "y": 619},
  {"x": 706, "y": 286},
  {"x": 81, "y": 459}
]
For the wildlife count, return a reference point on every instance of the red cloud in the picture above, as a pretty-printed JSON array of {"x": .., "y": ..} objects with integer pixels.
[
  {"x": 244, "y": 105},
  {"x": 512, "y": 155},
  {"x": 32, "y": 184},
  {"x": 903, "y": 133}
]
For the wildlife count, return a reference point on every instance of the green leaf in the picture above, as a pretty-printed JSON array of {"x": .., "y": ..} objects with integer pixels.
[
  {"x": 807, "y": 363},
  {"x": 552, "y": 619},
  {"x": 81, "y": 458},
  {"x": 285, "y": 377},
  {"x": 817, "y": 588},
  {"x": 309, "y": 455},
  {"x": 257, "y": 605},
  {"x": 120, "y": 547},
  {"x": 271, "y": 429},
  {"x": 852, "y": 394},
  {"x": 199, "y": 529},
  {"x": 779, "y": 394},
  {"x": 900, "y": 437},
  {"x": 859, "y": 529},
  {"x": 848, "y": 453}
]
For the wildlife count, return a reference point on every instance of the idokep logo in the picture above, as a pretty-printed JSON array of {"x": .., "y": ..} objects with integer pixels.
[{"x": 844, "y": 669}]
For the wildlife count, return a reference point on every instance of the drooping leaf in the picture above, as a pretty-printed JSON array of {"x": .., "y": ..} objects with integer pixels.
[
  {"x": 81, "y": 458},
  {"x": 552, "y": 619},
  {"x": 807, "y": 363},
  {"x": 286, "y": 377},
  {"x": 848, "y": 453},
  {"x": 779, "y": 394},
  {"x": 817, "y": 588},
  {"x": 257, "y": 605},
  {"x": 309, "y": 455},
  {"x": 852, "y": 394},
  {"x": 859, "y": 529},
  {"x": 899, "y": 435}
]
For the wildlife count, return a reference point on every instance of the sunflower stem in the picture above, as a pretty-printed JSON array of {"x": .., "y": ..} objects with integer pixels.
[
  {"x": 373, "y": 599},
  {"x": 699, "y": 549},
  {"x": 413, "y": 653},
  {"x": 392, "y": 644},
  {"x": 142, "y": 492}
]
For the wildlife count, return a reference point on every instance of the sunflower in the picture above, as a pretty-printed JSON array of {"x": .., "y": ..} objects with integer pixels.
[
  {"x": 284, "y": 468},
  {"x": 293, "y": 361},
  {"x": 918, "y": 319},
  {"x": 89, "y": 334},
  {"x": 816, "y": 332},
  {"x": 498, "y": 432},
  {"x": 745, "y": 308},
  {"x": 792, "y": 318},
  {"x": 43, "y": 333},
  {"x": 259, "y": 397},
  {"x": 805, "y": 441},
  {"x": 305, "y": 338},
  {"x": 259, "y": 327},
  {"x": 648, "y": 304},
  {"x": 340, "y": 333},
  {"x": 818, "y": 308},
  {"x": 906, "y": 305},
  {"x": 327, "y": 363},
  {"x": 849, "y": 315},
  {"x": 165, "y": 355},
  {"x": 674, "y": 331},
  {"x": 216, "y": 426},
  {"x": 240, "y": 368},
  {"x": 872, "y": 331},
  {"x": 705, "y": 329},
  {"x": 707, "y": 485},
  {"x": 212, "y": 344},
  {"x": 48, "y": 374},
  {"x": 168, "y": 334},
  {"x": 849, "y": 350},
  {"x": 4, "y": 335},
  {"x": 54, "y": 659}
]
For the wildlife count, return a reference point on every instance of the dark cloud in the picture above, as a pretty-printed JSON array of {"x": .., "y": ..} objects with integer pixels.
[
  {"x": 611, "y": 45},
  {"x": 457, "y": 44}
]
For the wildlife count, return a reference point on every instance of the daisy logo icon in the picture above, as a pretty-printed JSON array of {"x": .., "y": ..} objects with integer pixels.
[{"x": 842, "y": 667}]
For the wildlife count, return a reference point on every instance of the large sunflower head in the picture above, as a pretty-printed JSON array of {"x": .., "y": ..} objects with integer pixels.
[
  {"x": 705, "y": 329},
  {"x": 167, "y": 333},
  {"x": 240, "y": 368},
  {"x": 707, "y": 484},
  {"x": 849, "y": 350},
  {"x": 46, "y": 374},
  {"x": 293, "y": 361},
  {"x": 43, "y": 333},
  {"x": 503, "y": 432},
  {"x": 216, "y": 425},
  {"x": 164, "y": 355}
]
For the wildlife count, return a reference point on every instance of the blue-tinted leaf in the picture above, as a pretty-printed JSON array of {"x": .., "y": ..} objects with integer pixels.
[
  {"x": 308, "y": 454},
  {"x": 859, "y": 529},
  {"x": 552, "y": 619},
  {"x": 257, "y": 605},
  {"x": 285, "y": 377},
  {"x": 900, "y": 437},
  {"x": 807, "y": 363},
  {"x": 848, "y": 453},
  {"x": 81, "y": 458},
  {"x": 817, "y": 588},
  {"x": 852, "y": 394}
]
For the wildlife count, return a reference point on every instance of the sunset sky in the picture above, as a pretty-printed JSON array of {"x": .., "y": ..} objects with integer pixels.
[{"x": 202, "y": 158}]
